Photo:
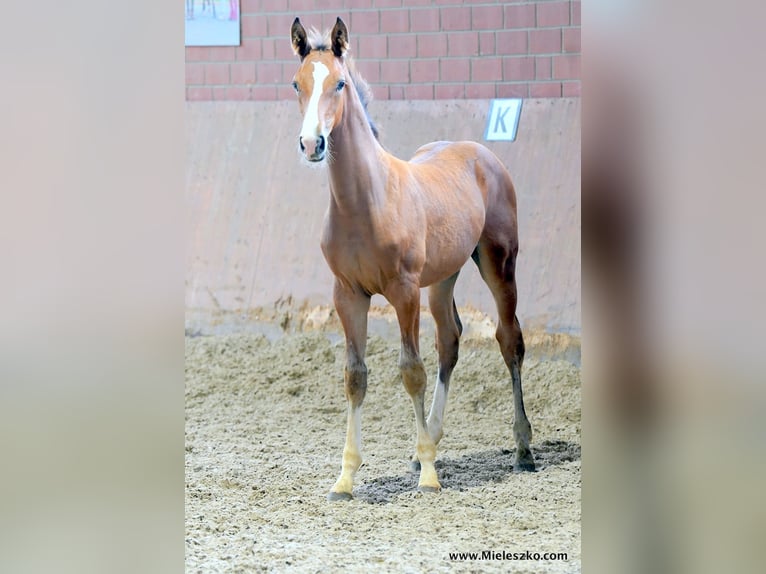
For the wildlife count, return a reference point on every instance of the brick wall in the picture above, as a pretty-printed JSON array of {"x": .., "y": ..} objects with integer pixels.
[{"x": 421, "y": 49}]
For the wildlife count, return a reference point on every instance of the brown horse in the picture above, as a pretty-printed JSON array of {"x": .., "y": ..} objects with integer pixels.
[{"x": 393, "y": 227}]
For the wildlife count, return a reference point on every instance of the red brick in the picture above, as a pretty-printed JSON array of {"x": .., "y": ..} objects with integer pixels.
[
  {"x": 424, "y": 71},
  {"x": 352, "y": 4},
  {"x": 198, "y": 93},
  {"x": 545, "y": 41},
  {"x": 576, "y": 14},
  {"x": 299, "y": 6},
  {"x": 410, "y": 3},
  {"x": 267, "y": 49},
  {"x": 566, "y": 67},
  {"x": 243, "y": 73},
  {"x": 195, "y": 73},
  {"x": 404, "y": 46},
  {"x": 552, "y": 14},
  {"x": 329, "y": 19},
  {"x": 480, "y": 91},
  {"x": 543, "y": 68},
  {"x": 369, "y": 70},
  {"x": 373, "y": 47},
  {"x": 571, "y": 89},
  {"x": 387, "y": 3},
  {"x": 486, "y": 69},
  {"x": 522, "y": 16},
  {"x": 269, "y": 72},
  {"x": 454, "y": 70},
  {"x": 432, "y": 45},
  {"x": 288, "y": 73},
  {"x": 221, "y": 53},
  {"x": 273, "y": 5},
  {"x": 380, "y": 92},
  {"x": 353, "y": 44},
  {"x": 449, "y": 91},
  {"x": 364, "y": 22},
  {"x": 486, "y": 17},
  {"x": 515, "y": 90},
  {"x": 263, "y": 93},
  {"x": 283, "y": 49},
  {"x": 196, "y": 53},
  {"x": 250, "y": 50},
  {"x": 545, "y": 90},
  {"x": 456, "y": 18},
  {"x": 219, "y": 93},
  {"x": 419, "y": 92},
  {"x": 392, "y": 71},
  {"x": 511, "y": 42},
  {"x": 279, "y": 25},
  {"x": 519, "y": 68},
  {"x": 424, "y": 20},
  {"x": 463, "y": 44},
  {"x": 216, "y": 74},
  {"x": 285, "y": 93},
  {"x": 396, "y": 92},
  {"x": 448, "y": 2},
  {"x": 249, "y": 6},
  {"x": 571, "y": 40},
  {"x": 394, "y": 21},
  {"x": 486, "y": 43},
  {"x": 238, "y": 93},
  {"x": 255, "y": 26}
]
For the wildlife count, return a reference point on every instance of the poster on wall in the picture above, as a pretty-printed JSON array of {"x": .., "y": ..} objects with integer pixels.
[{"x": 212, "y": 22}]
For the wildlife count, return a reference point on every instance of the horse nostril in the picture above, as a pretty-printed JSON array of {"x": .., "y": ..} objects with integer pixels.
[
  {"x": 320, "y": 144},
  {"x": 300, "y": 141}
]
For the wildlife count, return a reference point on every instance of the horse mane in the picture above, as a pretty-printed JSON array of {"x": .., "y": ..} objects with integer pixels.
[{"x": 321, "y": 42}]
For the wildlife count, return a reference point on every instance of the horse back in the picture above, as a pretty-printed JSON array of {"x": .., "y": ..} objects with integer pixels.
[
  {"x": 470, "y": 167},
  {"x": 467, "y": 163}
]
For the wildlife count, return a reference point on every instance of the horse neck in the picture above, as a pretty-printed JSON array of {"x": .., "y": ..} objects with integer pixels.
[{"x": 356, "y": 169}]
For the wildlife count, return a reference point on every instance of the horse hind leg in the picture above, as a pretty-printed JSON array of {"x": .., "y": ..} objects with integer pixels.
[
  {"x": 497, "y": 268},
  {"x": 448, "y": 330},
  {"x": 522, "y": 429}
]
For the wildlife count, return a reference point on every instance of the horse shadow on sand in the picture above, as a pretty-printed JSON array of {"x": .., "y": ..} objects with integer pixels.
[{"x": 468, "y": 471}]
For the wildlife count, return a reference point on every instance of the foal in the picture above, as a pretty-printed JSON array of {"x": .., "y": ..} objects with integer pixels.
[{"x": 393, "y": 227}]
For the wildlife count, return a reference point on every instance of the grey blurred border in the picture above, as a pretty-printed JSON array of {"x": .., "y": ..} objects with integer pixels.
[
  {"x": 91, "y": 341},
  {"x": 673, "y": 306},
  {"x": 91, "y": 337}
]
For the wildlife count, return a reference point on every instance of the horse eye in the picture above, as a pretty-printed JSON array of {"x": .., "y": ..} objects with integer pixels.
[
  {"x": 296, "y": 88},
  {"x": 341, "y": 84}
]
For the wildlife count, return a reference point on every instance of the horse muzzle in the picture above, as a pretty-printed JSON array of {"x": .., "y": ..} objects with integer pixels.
[{"x": 313, "y": 147}]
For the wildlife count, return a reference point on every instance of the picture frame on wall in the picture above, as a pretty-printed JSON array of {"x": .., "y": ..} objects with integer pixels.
[{"x": 212, "y": 23}]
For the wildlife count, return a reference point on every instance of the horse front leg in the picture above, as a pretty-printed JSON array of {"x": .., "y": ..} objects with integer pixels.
[
  {"x": 352, "y": 308},
  {"x": 405, "y": 297}
]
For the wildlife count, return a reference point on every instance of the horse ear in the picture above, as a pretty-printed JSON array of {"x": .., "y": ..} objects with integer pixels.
[
  {"x": 298, "y": 37},
  {"x": 339, "y": 36}
]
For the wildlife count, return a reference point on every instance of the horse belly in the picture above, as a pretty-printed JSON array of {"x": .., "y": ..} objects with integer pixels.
[
  {"x": 452, "y": 238},
  {"x": 454, "y": 179}
]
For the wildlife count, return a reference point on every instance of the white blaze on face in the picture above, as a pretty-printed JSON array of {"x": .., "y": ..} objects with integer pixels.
[{"x": 311, "y": 119}]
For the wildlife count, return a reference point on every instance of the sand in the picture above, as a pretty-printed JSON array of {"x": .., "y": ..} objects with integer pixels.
[{"x": 265, "y": 426}]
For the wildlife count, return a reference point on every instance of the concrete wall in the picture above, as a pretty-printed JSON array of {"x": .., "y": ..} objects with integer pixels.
[
  {"x": 255, "y": 211},
  {"x": 425, "y": 50}
]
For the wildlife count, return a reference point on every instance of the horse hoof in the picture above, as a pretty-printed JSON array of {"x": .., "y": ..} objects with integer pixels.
[
  {"x": 525, "y": 465},
  {"x": 431, "y": 489},
  {"x": 415, "y": 465},
  {"x": 335, "y": 496}
]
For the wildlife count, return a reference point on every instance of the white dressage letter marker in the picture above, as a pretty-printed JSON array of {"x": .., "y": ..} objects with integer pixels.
[{"x": 503, "y": 120}]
